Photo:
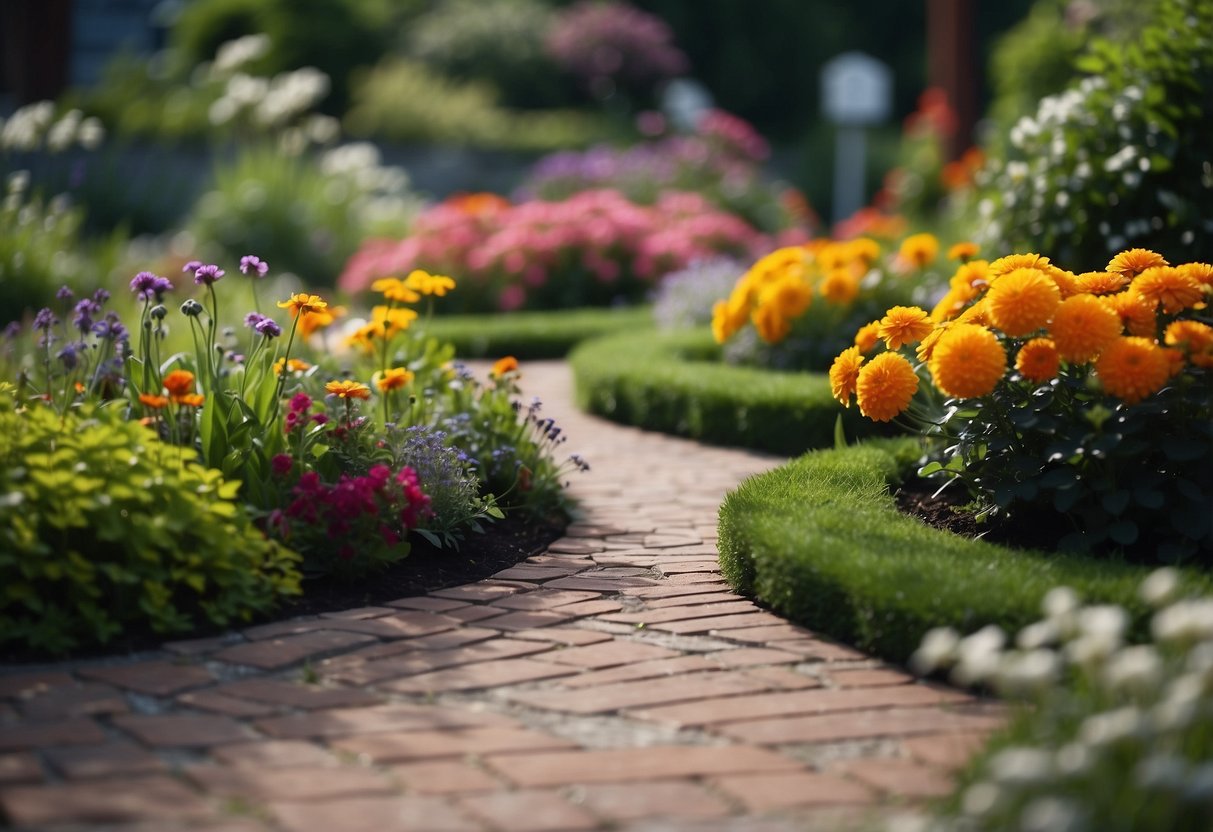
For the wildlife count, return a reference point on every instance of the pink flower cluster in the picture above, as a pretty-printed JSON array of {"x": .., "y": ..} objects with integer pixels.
[
  {"x": 594, "y": 247},
  {"x": 735, "y": 136}
]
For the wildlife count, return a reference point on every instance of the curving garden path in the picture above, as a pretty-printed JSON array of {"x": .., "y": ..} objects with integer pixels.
[{"x": 612, "y": 682}]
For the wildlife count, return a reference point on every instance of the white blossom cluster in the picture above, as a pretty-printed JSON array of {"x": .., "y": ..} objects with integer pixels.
[
  {"x": 379, "y": 193},
  {"x": 1119, "y": 736},
  {"x": 36, "y": 127}
]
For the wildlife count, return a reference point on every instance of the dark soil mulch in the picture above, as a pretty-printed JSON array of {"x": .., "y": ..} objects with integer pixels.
[
  {"x": 950, "y": 512},
  {"x": 427, "y": 568}
]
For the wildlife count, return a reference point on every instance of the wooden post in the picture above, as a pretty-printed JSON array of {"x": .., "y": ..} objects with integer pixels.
[
  {"x": 35, "y": 47},
  {"x": 951, "y": 66}
]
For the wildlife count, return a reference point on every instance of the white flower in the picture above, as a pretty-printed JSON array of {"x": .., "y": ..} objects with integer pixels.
[
  {"x": 1160, "y": 586},
  {"x": 238, "y": 52},
  {"x": 1184, "y": 621},
  {"x": 1073, "y": 760},
  {"x": 1199, "y": 788},
  {"x": 1051, "y": 814},
  {"x": 1135, "y": 669},
  {"x": 979, "y": 655},
  {"x": 1059, "y": 601},
  {"x": 1021, "y": 766},
  {"x": 980, "y": 798},
  {"x": 92, "y": 133},
  {"x": 1106, "y": 621},
  {"x": 1027, "y": 672},
  {"x": 1111, "y": 727},
  {"x": 1161, "y": 771},
  {"x": 938, "y": 650}
]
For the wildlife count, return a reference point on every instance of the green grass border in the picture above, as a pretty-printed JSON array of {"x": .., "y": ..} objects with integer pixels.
[
  {"x": 675, "y": 382},
  {"x": 534, "y": 335},
  {"x": 820, "y": 541}
]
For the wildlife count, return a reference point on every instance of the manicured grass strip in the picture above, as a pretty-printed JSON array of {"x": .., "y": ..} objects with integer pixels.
[
  {"x": 820, "y": 541},
  {"x": 675, "y": 382},
  {"x": 533, "y": 335}
]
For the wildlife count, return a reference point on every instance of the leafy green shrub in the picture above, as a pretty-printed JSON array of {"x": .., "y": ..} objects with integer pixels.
[
  {"x": 533, "y": 335},
  {"x": 675, "y": 382},
  {"x": 1119, "y": 157},
  {"x": 103, "y": 527}
]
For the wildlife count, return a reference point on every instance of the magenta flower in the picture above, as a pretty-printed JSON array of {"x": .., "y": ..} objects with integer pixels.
[
  {"x": 252, "y": 263},
  {"x": 207, "y": 274}
]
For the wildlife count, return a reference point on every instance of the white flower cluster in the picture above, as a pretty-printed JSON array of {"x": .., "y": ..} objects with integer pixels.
[
  {"x": 1115, "y": 729},
  {"x": 380, "y": 193},
  {"x": 35, "y": 127},
  {"x": 236, "y": 53}
]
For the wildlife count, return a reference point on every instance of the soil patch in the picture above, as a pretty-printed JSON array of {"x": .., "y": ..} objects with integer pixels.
[{"x": 951, "y": 511}]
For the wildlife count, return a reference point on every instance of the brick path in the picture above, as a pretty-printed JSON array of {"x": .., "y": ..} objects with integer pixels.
[{"x": 613, "y": 682}]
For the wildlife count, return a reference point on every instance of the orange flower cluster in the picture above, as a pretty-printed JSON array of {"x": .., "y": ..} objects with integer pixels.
[{"x": 179, "y": 384}]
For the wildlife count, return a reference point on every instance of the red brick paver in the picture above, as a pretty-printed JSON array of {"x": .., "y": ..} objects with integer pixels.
[{"x": 614, "y": 681}]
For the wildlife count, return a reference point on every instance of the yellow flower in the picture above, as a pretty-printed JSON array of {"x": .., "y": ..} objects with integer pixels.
[
  {"x": 1136, "y": 315},
  {"x": 318, "y": 320},
  {"x": 919, "y": 249},
  {"x": 429, "y": 284},
  {"x": 1066, "y": 281},
  {"x": 1202, "y": 273},
  {"x": 294, "y": 366},
  {"x": 348, "y": 389},
  {"x": 978, "y": 313},
  {"x": 1100, "y": 283},
  {"x": 973, "y": 275},
  {"x": 393, "y": 379},
  {"x": 868, "y": 337},
  {"x": 791, "y": 296},
  {"x": 844, "y": 373},
  {"x": 1134, "y": 261},
  {"x": 1174, "y": 289},
  {"x": 927, "y": 347},
  {"x": 393, "y": 288},
  {"x": 1132, "y": 368},
  {"x": 1022, "y": 301},
  {"x": 789, "y": 261},
  {"x": 904, "y": 325},
  {"x": 1195, "y": 338},
  {"x": 722, "y": 329},
  {"x": 885, "y": 386},
  {"x": 963, "y": 252},
  {"x": 771, "y": 325},
  {"x": 1038, "y": 360},
  {"x": 839, "y": 286},
  {"x": 509, "y": 364},
  {"x": 364, "y": 337},
  {"x": 392, "y": 319},
  {"x": 1082, "y": 327},
  {"x": 951, "y": 304},
  {"x": 1008, "y": 264},
  {"x": 863, "y": 250},
  {"x": 968, "y": 361},
  {"x": 302, "y": 303}
]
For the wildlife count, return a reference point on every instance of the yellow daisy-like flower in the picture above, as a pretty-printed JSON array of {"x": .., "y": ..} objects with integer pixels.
[
  {"x": 1082, "y": 326},
  {"x": 964, "y": 252},
  {"x": 791, "y": 296},
  {"x": 393, "y": 288},
  {"x": 968, "y": 361},
  {"x": 1202, "y": 273},
  {"x": 772, "y": 327},
  {"x": 840, "y": 287},
  {"x": 1194, "y": 338},
  {"x": 978, "y": 313},
  {"x": 365, "y": 336},
  {"x": 1173, "y": 289},
  {"x": 348, "y": 389},
  {"x": 885, "y": 386},
  {"x": 1038, "y": 360},
  {"x": 294, "y": 365},
  {"x": 394, "y": 378},
  {"x": 1136, "y": 315},
  {"x": 951, "y": 304},
  {"x": 863, "y": 250},
  {"x": 429, "y": 284},
  {"x": 844, "y": 373},
  {"x": 1132, "y": 368},
  {"x": 904, "y": 325},
  {"x": 318, "y": 320},
  {"x": 302, "y": 303},
  {"x": 973, "y": 275},
  {"x": 919, "y": 249},
  {"x": 832, "y": 256},
  {"x": 1022, "y": 301},
  {"x": 1008, "y": 264},
  {"x": 393, "y": 320},
  {"x": 508, "y": 364},
  {"x": 782, "y": 262},
  {"x": 1134, "y": 261},
  {"x": 926, "y": 347},
  {"x": 868, "y": 337},
  {"x": 1066, "y": 281},
  {"x": 1100, "y": 283}
]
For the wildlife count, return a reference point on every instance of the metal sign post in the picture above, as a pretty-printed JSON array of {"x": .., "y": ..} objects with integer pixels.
[{"x": 856, "y": 92}]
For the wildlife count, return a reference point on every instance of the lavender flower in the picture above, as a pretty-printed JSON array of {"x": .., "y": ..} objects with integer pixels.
[
  {"x": 69, "y": 355},
  {"x": 45, "y": 319},
  {"x": 141, "y": 284},
  {"x": 65, "y": 293},
  {"x": 207, "y": 274},
  {"x": 252, "y": 263},
  {"x": 191, "y": 267},
  {"x": 12, "y": 330},
  {"x": 110, "y": 328},
  {"x": 101, "y": 296},
  {"x": 269, "y": 328},
  {"x": 82, "y": 317},
  {"x": 444, "y": 472},
  {"x": 252, "y": 319}
]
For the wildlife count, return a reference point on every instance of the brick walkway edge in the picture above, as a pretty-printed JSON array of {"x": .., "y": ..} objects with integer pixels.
[{"x": 613, "y": 682}]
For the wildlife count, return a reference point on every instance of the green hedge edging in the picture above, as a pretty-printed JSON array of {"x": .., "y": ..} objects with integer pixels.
[
  {"x": 820, "y": 541},
  {"x": 533, "y": 335},
  {"x": 675, "y": 382}
]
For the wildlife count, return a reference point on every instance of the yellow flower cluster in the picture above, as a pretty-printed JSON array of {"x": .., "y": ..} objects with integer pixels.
[
  {"x": 1120, "y": 322},
  {"x": 389, "y": 320}
]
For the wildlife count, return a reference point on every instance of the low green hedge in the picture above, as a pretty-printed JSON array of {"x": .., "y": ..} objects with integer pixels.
[
  {"x": 675, "y": 382},
  {"x": 820, "y": 541},
  {"x": 534, "y": 335}
]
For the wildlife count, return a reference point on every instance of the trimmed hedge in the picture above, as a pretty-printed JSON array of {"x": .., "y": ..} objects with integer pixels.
[
  {"x": 533, "y": 335},
  {"x": 821, "y": 542},
  {"x": 675, "y": 382}
]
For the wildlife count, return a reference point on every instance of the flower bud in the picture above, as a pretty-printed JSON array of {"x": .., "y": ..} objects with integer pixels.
[{"x": 191, "y": 308}]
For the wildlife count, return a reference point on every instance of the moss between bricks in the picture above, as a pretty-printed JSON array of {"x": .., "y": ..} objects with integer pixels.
[
  {"x": 820, "y": 541},
  {"x": 674, "y": 382},
  {"x": 533, "y": 335}
]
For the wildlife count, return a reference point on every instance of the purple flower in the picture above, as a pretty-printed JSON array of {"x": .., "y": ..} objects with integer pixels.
[
  {"x": 191, "y": 266},
  {"x": 160, "y": 286},
  {"x": 85, "y": 309},
  {"x": 65, "y": 293},
  {"x": 110, "y": 328},
  {"x": 142, "y": 285},
  {"x": 101, "y": 296},
  {"x": 69, "y": 354},
  {"x": 207, "y": 274},
  {"x": 252, "y": 263},
  {"x": 252, "y": 319},
  {"x": 12, "y": 330},
  {"x": 269, "y": 328},
  {"x": 45, "y": 319}
]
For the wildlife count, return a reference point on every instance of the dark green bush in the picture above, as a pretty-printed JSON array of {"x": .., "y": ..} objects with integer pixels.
[
  {"x": 533, "y": 335},
  {"x": 104, "y": 528},
  {"x": 675, "y": 382}
]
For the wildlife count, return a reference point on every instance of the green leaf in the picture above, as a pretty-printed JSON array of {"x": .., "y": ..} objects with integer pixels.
[
  {"x": 1123, "y": 532},
  {"x": 1183, "y": 450},
  {"x": 929, "y": 468},
  {"x": 1148, "y": 498},
  {"x": 1116, "y": 502},
  {"x": 840, "y": 436},
  {"x": 1059, "y": 478}
]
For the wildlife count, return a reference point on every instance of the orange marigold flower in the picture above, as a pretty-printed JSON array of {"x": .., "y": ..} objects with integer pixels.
[
  {"x": 1202, "y": 273},
  {"x": 393, "y": 288},
  {"x": 429, "y": 284},
  {"x": 1100, "y": 283},
  {"x": 1022, "y": 301},
  {"x": 1038, "y": 360},
  {"x": 844, "y": 372},
  {"x": 904, "y": 325},
  {"x": 840, "y": 286},
  {"x": 302, "y": 303},
  {"x": 1134, "y": 261},
  {"x": 295, "y": 365},
  {"x": 863, "y": 249},
  {"x": 501, "y": 366},
  {"x": 190, "y": 399},
  {"x": 978, "y": 313},
  {"x": 1082, "y": 327},
  {"x": 1174, "y": 289},
  {"x": 1132, "y": 368},
  {"x": 968, "y": 361},
  {"x": 318, "y": 320},
  {"x": 1008, "y": 264},
  {"x": 791, "y": 296},
  {"x": 919, "y": 249},
  {"x": 973, "y": 275},
  {"x": 179, "y": 382},
  {"x": 393, "y": 379},
  {"x": 771, "y": 325},
  {"x": 868, "y": 336},
  {"x": 348, "y": 389},
  {"x": 885, "y": 386},
  {"x": 1066, "y": 281},
  {"x": 1175, "y": 361},
  {"x": 963, "y": 252},
  {"x": 722, "y": 322},
  {"x": 1136, "y": 315},
  {"x": 927, "y": 347},
  {"x": 1192, "y": 336},
  {"x": 787, "y": 261},
  {"x": 152, "y": 401},
  {"x": 951, "y": 304}
]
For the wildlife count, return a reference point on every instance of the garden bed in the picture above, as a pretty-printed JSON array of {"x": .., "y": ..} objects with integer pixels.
[{"x": 530, "y": 336}]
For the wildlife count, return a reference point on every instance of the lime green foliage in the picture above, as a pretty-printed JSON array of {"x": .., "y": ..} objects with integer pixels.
[
  {"x": 405, "y": 101},
  {"x": 821, "y": 541},
  {"x": 104, "y": 527},
  {"x": 533, "y": 335},
  {"x": 675, "y": 382}
]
